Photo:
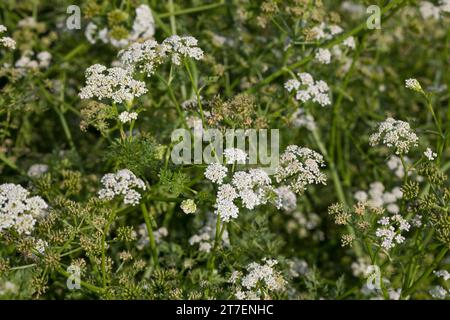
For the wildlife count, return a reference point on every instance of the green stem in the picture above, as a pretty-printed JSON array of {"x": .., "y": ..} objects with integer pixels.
[
  {"x": 152, "y": 243},
  {"x": 427, "y": 272}
]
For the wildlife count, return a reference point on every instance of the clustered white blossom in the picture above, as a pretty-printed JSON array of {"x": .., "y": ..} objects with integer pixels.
[
  {"x": 300, "y": 167},
  {"x": 430, "y": 11},
  {"x": 390, "y": 230},
  {"x": 233, "y": 155},
  {"x": 301, "y": 119},
  {"x": 438, "y": 292},
  {"x": 148, "y": 55},
  {"x": 216, "y": 172},
  {"x": 413, "y": 84},
  {"x": 444, "y": 274},
  {"x": 307, "y": 89},
  {"x": 122, "y": 183},
  {"x": 323, "y": 56},
  {"x": 116, "y": 84},
  {"x": 250, "y": 187},
  {"x": 430, "y": 155},
  {"x": 19, "y": 211},
  {"x": 143, "y": 29},
  {"x": 182, "y": 47},
  {"x": 377, "y": 197},
  {"x": 188, "y": 206},
  {"x": 6, "y": 42},
  {"x": 395, "y": 133},
  {"x": 126, "y": 116},
  {"x": 259, "y": 280}
]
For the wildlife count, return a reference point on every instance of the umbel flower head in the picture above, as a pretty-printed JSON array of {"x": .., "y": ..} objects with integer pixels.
[
  {"x": 123, "y": 183},
  {"x": 111, "y": 83},
  {"x": 300, "y": 167},
  {"x": 414, "y": 85},
  {"x": 147, "y": 56},
  {"x": 19, "y": 211},
  {"x": 395, "y": 134},
  {"x": 306, "y": 89},
  {"x": 259, "y": 280},
  {"x": 6, "y": 42}
]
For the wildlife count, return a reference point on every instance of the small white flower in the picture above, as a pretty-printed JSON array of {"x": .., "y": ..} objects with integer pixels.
[
  {"x": 125, "y": 116},
  {"x": 233, "y": 155},
  {"x": 444, "y": 274},
  {"x": 430, "y": 155},
  {"x": 396, "y": 134},
  {"x": 307, "y": 89},
  {"x": 413, "y": 84},
  {"x": 111, "y": 83},
  {"x": 18, "y": 210},
  {"x": 121, "y": 183},
  {"x": 216, "y": 173},
  {"x": 323, "y": 56},
  {"x": 350, "y": 43}
]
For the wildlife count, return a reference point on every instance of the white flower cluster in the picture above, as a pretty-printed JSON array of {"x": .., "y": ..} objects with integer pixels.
[
  {"x": 301, "y": 119},
  {"x": 19, "y": 211},
  {"x": 182, "y": 47},
  {"x": 430, "y": 11},
  {"x": 143, "y": 28},
  {"x": 323, "y": 56},
  {"x": 377, "y": 197},
  {"x": 27, "y": 62},
  {"x": 307, "y": 89},
  {"x": 6, "y": 42},
  {"x": 216, "y": 173},
  {"x": 233, "y": 155},
  {"x": 286, "y": 199},
  {"x": 148, "y": 55},
  {"x": 300, "y": 167},
  {"x": 126, "y": 116},
  {"x": 188, "y": 206},
  {"x": 390, "y": 230},
  {"x": 396, "y": 134},
  {"x": 259, "y": 280},
  {"x": 116, "y": 84},
  {"x": 444, "y": 274},
  {"x": 251, "y": 187},
  {"x": 121, "y": 183},
  {"x": 413, "y": 84},
  {"x": 438, "y": 292},
  {"x": 144, "y": 241},
  {"x": 430, "y": 155}
]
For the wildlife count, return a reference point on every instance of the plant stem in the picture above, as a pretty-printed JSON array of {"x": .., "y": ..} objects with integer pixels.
[{"x": 151, "y": 238}]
